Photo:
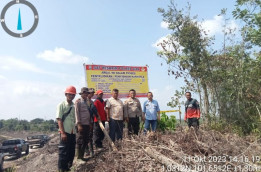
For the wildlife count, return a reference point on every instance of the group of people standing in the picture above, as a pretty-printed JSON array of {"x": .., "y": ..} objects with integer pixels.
[{"x": 79, "y": 127}]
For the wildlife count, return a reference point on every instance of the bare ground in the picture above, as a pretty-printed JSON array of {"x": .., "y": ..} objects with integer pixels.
[{"x": 204, "y": 151}]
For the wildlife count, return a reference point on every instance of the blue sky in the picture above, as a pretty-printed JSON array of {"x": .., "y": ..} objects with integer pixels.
[{"x": 35, "y": 70}]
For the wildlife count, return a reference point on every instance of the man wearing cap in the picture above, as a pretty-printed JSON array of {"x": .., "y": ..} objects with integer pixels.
[
  {"x": 98, "y": 133},
  {"x": 132, "y": 112},
  {"x": 83, "y": 121},
  {"x": 65, "y": 116},
  {"x": 114, "y": 109},
  {"x": 93, "y": 111}
]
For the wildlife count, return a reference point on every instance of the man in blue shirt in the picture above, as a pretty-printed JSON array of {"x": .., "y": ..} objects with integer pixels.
[{"x": 151, "y": 113}]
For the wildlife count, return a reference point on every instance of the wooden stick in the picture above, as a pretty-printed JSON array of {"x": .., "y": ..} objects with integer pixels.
[
  {"x": 205, "y": 146},
  {"x": 107, "y": 135}
]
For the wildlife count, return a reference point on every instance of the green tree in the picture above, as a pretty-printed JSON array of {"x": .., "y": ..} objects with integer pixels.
[
  {"x": 188, "y": 56},
  {"x": 37, "y": 121},
  {"x": 229, "y": 79},
  {"x": 249, "y": 11}
]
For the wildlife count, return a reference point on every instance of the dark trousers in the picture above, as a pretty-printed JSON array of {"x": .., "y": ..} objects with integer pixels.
[
  {"x": 66, "y": 152},
  {"x": 91, "y": 132},
  {"x": 82, "y": 140},
  {"x": 134, "y": 125},
  {"x": 98, "y": 134},
  {"x": 193, "y": 122},
  {"x": 90, "y": 138},
  {"x": 116, "y": 129}
]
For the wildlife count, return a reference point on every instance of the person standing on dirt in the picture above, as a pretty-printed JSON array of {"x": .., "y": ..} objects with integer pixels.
[
  {"x": 132, "y": 112},
  {"x": 98, "y": 133},
  {"x": 192, "y": 111},
  {"x": 65, "y": 116},
  {"x": 114, "y": 109},
  {"x": 83, "y": 121},
  {"x": 151, "y": 113},
  {"x": 93, "y": 111}
]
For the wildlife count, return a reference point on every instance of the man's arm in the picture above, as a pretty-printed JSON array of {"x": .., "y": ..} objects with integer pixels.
[
  {"x": 198, "y": 109},
  {"x": 77, "y": 116},
  {"x": 95, "y": 111},
  {"x": 158, "y": 111},
  {"x": 59, "y": 115},
  {"x": 139, "y": 107},
  {"x": 125, "y": 111},
  {"x": 144, "y": 111},
  {"x": 108, "y": 106},
  {"x": 61, "y": 128},
  {"x": 108, "y": 114},
  {"x": 185, "y": 117}
]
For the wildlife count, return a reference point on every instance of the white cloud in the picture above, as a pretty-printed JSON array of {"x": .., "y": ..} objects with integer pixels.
[
  {"x": 215, "y": 26},
  {"x": 61, "y": 55},
  {"x": 32, "y": 99},
  {"x": 8, "y": 63},
  {"x": 161, "y": 40},
  {"x": 5, "y": 67},
  {"x": 212, "y": 27},
  {"x": 164, "y": 25},
  {"x": 2, "y": 77},
  {"x": 11, "y": 63},
  {"x": 168, "y": 87},
  {"x": 167, "y": 42}
]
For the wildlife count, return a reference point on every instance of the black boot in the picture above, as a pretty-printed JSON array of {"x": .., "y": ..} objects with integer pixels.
[{"x": 92, "y": 152}]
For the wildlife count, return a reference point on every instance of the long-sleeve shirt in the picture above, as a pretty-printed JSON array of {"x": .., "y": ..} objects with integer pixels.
[
  {"x": 82, "y": 113},
  {"x": 100, "y": 105},
  {"x": 192, "y": 109}
]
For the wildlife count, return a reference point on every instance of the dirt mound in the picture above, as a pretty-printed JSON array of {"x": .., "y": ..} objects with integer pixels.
[
  {"x": 182, "y": 150},
  {"x": 41, "y": 159}
]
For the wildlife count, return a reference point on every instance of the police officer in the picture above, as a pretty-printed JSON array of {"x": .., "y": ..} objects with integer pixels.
[
  {"x": 93, "y": 112},
  {"x": 83, "y": 121},
  {"x": 132, "y": 112}
]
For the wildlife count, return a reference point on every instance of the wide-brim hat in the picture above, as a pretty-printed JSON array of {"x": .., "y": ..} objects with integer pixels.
[
  {"x": 91, "y": 90},
  {"x": 84, "y": 90}
]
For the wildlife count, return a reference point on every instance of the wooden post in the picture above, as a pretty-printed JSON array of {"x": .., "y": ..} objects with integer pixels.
[
  {"x": 179, "y": 114},
  {"x": 107, "y": 135},
  {"x": 169, "y": 163}
]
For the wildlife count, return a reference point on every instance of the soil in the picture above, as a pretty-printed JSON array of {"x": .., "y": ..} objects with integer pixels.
[{"x": 199, "y": 151}]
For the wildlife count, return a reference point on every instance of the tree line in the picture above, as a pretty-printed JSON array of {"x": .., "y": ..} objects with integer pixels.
[
  {"x": 227, "y": 79},
  {"x": 36, "y": 124}
]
